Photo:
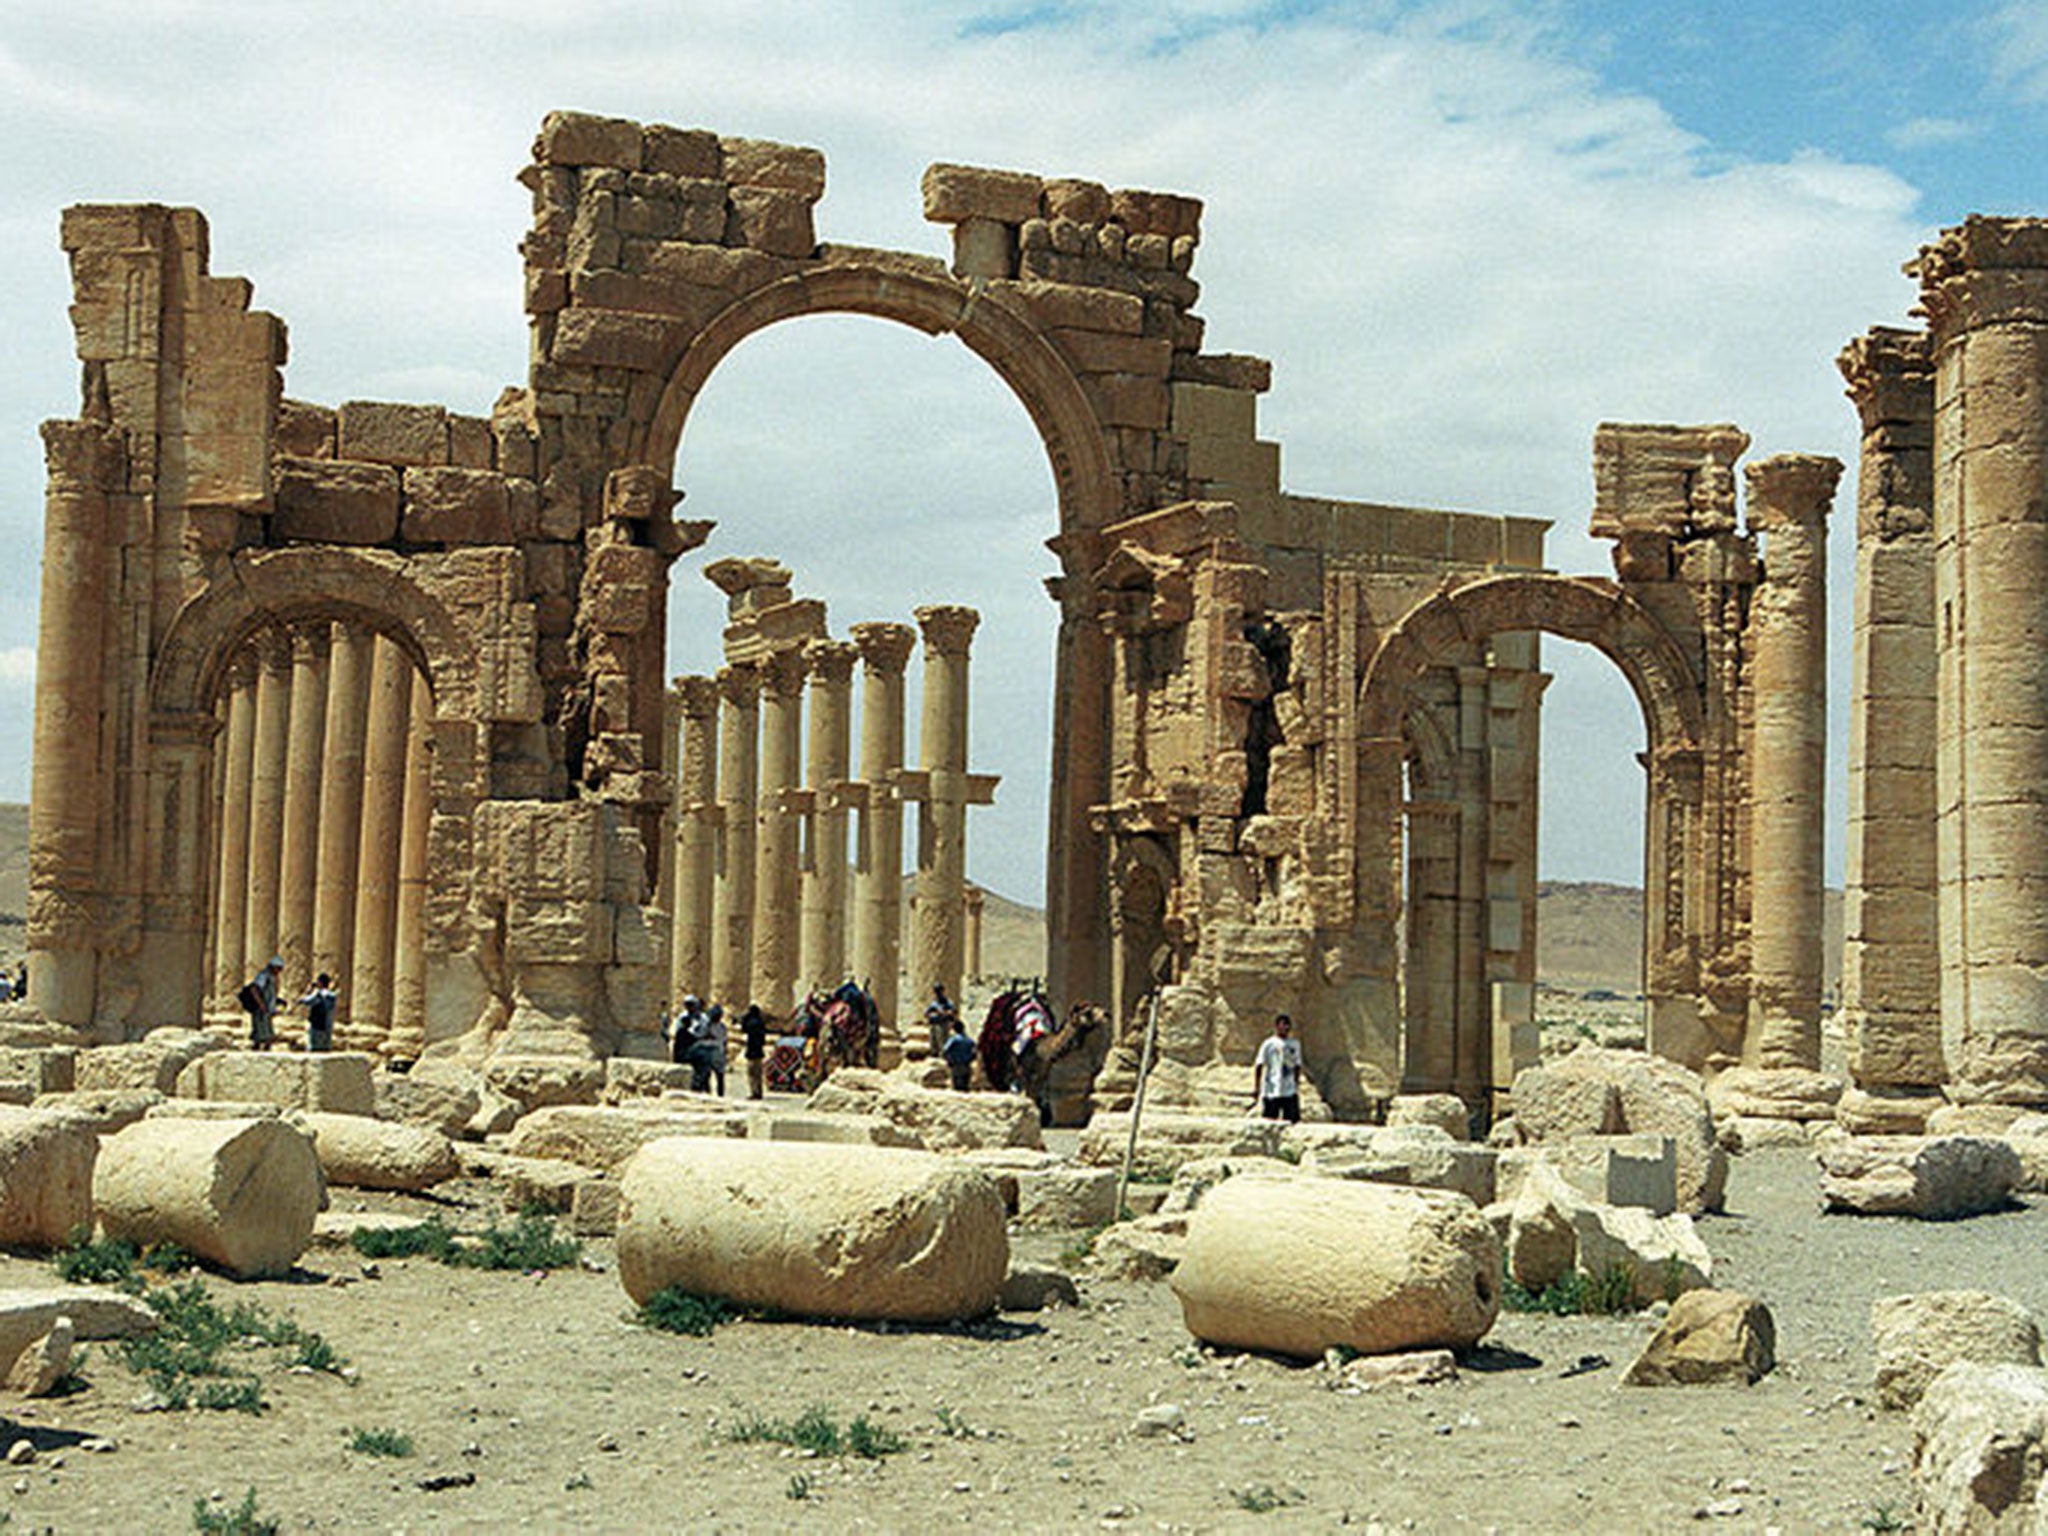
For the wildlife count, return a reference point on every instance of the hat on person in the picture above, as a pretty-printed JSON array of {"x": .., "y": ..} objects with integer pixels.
[{"x": 276, "y": 963}]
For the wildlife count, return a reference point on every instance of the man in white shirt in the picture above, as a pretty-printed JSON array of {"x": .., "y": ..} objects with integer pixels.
[{"x": 1276, "y": 1073}]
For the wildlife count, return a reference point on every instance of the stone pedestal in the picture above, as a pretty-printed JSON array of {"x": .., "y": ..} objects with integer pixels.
[
  {"x": 1891, "y": 952},
  {"x": 732, "y": 923},
  {"x": 878, "y": 872},
  {"x": 1984, "y": 288},
  {"x": 1788, "y": 505},
  {"x": 695, "y": 817},
  {"x": 822, "y": 956}
]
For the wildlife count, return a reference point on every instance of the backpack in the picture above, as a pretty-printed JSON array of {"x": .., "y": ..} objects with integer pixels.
[{"x": 250, "y": 998}]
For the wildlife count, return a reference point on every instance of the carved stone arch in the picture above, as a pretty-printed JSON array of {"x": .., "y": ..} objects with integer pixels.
[
  {"x": 368, "y": 587},
  {"x": 1089, "y": 491},
  {"x": 1589, "y": 609}
]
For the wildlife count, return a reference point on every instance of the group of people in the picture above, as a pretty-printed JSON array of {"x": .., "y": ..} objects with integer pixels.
[
  {"x": 14, "y": 987},
  {"x": 262, "y": 1001},
  {"x": 695, "y": 1036}
]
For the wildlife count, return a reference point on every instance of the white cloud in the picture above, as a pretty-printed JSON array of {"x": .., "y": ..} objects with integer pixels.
[
  {"x": 2019, "y": 32},
  {"x": 17, "y": 666},
  {"x": 1460, "y": 251},
  {"x": 1932, "y": 133}
]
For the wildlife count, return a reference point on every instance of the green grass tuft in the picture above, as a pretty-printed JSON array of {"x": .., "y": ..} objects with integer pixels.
[
  {"x": 380, "y": 1442},
  {"x": 815, "y": 1431},
  {"x": 1611, "y": 1291},
  {"x": 1264, "y": 1499},
  {"x": 531, "y": 1242},
  {"x": 676, "y": 1310},
  {"x": 240, "y": 1520}
]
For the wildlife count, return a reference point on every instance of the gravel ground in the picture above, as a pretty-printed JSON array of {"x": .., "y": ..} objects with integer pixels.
[{"x": 551, "y": 1410}]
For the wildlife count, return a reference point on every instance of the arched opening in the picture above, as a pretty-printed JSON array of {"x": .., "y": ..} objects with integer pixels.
[
  {"x": 321, "y": 806},
  {"x": 938, "y": 490}
]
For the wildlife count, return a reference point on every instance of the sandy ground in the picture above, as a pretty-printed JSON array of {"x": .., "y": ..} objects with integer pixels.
[{"x": 569, "y": 1416}]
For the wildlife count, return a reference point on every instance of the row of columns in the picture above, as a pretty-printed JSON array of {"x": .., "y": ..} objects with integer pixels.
[
  {"x": 768, "y": 898},
  {"x": 325, "y": 772}
]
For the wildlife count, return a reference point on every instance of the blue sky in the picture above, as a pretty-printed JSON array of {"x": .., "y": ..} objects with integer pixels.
[{"x": 1465, "y": 233}]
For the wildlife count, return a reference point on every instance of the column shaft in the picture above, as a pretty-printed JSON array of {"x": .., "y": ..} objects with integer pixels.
[
  {"x": 408, "y": 1035},
  {"x": 937, "y": 943},
  {"x": 732, "y": 921},
  {"x": 238, "y": 766},
  {"x": 351, "y": 654},
  {"x": 696, "y": 850},
  {"x": 384, "y": 776},
  {"x": 878, "y": 871},
  {"x": 776, "y": 913},
  {"x": 823, "y": 957},
  {"x": 266, "y": 797},
  {"x": 305, "y": 738},
  {"x": 1788, "y": 504}
]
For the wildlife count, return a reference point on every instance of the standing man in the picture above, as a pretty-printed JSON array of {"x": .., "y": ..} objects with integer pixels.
[
  {"x": 940, "y": 1016},
  {"x": 1276, "y": 1073},
  {"x": 259, "y": 996},
  {"x": 319, "y": 1005},
  {"x": 959, "y": 1053},
  {"x": 754, "y": 1044}
]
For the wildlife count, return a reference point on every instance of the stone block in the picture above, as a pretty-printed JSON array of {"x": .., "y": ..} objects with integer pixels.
[
  {"x": 304, "y": 431},
  {"x": 338, "y": 1081},
  {"x": 580, "y": 138},
  {"x": 326, "y": 501},
  {"x": 788, "y": 168},
  {"x": 772, "y": 221},
  {"x": 691, "y": 152},
  {"x": 603, "y": 1139},
  {"x": 384, "y": 432},
  {"x": 456, "y": 506},
  {"x": 1065, "y": 1197},
  {"x": 955, "y": 193},
  {"x": 1709, "y": 1338},
  {"x": 1937, "y": 1178},
  {"x": 1917, "y": 1337}
]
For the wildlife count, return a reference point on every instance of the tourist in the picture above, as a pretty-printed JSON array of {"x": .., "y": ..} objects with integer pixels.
[
  {"x": 21, "y": 982},
  {"x": 959, "y": 1053},
  {"x": 754, "y": 1045},
  {"x": 1276, "y": 1073},
  {"x": 678, "y": 1028},
  {"x": 939, "y": 1017},
  {"x": 714, "y": 1043},
  {"x": 259, "y": 997},
  {"x": 320, "y": 1004},
  {"x": 6, "y": 987}
]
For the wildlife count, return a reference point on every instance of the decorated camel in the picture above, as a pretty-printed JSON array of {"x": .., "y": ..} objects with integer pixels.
[
  {"x": 843, "y": 1028},
  {"x": 1023, "y": 1049}
]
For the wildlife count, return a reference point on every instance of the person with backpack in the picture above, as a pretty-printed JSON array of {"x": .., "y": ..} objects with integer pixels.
[
  {"x": 259, "y": 997},
  {"x": 320, "y": 1004}
]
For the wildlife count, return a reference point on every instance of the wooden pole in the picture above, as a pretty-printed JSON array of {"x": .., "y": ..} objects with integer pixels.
[{"x": 1123, "y": 1180}]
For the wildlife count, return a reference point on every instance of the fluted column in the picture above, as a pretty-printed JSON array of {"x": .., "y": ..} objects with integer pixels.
[
  {"x": 1891, "y": 946},
  {"x": 776, "y": 926},
  {"x": 266, "y": 795},
  {"x": 878, "y": 868},
  {"x": 1984, "y": 289},
  {"x": 696, "y": 846},
  {"x": 1788, "y": 504},
  {"x": 384, "y": 776},
  {"x": 936, "y": 937},
  {"x": 732, "y": 898},
  {"x": 305, "y": 736},
  {"x": 231, "y": 918},
  {"x": 408, "y": 1035},
  {"x": 823, "y": 960},
  {"x": 351, "y": 654},
  {"x": 84, "y": 462}
]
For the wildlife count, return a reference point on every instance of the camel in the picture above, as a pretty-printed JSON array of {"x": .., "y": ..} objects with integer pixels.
[
  {"x": 844, "y": 1027},
  {"x": 1081, "y": 1044}
]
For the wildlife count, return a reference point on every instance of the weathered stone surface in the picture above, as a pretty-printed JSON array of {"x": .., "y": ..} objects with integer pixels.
[
  {"x": 849, "y": 1130},
  {"x": 367, "y": 1153},
  {"x": 1423, "y": 1156},
  {"x": 329, "y": 501},
  {"x": 431, "y": 1104},
  {"x": 240, "y": 1194},
  {"x": 222, "y": 1109},
  {"x": 1978, "y": 1449},
  {"x": 337, "y": 1229},
  {"x": 1542, "y": 1243},
  {"x": 594, "y": 1208},
  {"x": 338, "y": 1081},
  {"x": 1610, "y": 1170},
  {"x": 456, "y": 506},
  {"x": 1445, "y": 1111},
  {"x": 604, "y": 1139},
  {"x": 1034, "y": 1287},
  {"x": 1709, "y": 1338},
  {"x": 808, "y": 1230},
  {"x": 390, "y": 432},
  {"x": 1663, "y": 1254},
  {"x": 1417, "y": 1368},
  {"x": 1973, "y": 1119},
  {"x": 1065, "y": 1197},
  {"x": 45, "y": 1068},
  {"x": 1742, "y": 1134},
  {"x": 538, "y": 1082},
  {"x": 2028, "y": 1136},
  {"x": 1785, "y": 1093},
  {"x": 539, "y": 1183},
  {"x": 151, "y": 1064},
  {"x": 943, "y": 1121},
  {"x": 103, "y": 1110},
  {"x": 1298, "y": 1266},
  {"x": 29, "y": 1315},
  {"x": 1917, "y": 1337},
  {"x": 1902, "y": 1113},
  {"x": 1936, "y": 1178},
  {"x": 1194, "y": 1179},
  {"x": 1550, "y": 1105},
  {"x": 46, "y": 1163},
  {"x": 627, "y": 1078},
  {"x": 1165, "y": 1141},
  {"x": 1656, "y": 1096},
  {"x": 38, "y": 1368},
  {"x": 1144, "y": 1248}
]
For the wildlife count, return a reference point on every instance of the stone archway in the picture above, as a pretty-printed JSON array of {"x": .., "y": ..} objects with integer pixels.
[{"x": 1448, "y": 624}]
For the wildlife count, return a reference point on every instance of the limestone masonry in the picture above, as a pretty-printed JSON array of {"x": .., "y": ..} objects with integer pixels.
[{"x": 380, "y": 687}]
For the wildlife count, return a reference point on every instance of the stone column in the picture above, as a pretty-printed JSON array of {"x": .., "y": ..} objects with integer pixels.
[
  {"x": 351, "y": 652},
  {"x": 238, "y": 766},
  {"x": 936, "y": 940},
  {"x": 974, "y": 908},
  {"x": 408, "y": 1036},
  {"x": 823, "y": 953},
  {"x": 305, "y": 737},
  {"x": 1788, "y": 505},
  {"x": 776, "y": 912},
  {"x": 1077, "y": 856},
  {"x": 384, "y": 775},
  {"x": 732, "y": 896},
  {"x": 878, "y": 869},
  {"x": 696, "y": 848},
  {"x": 84, "y": 462},
  {"x": 1891, "y": 948},
  {"x": 266, "y": 797},
  {"x": 1984, "y": 288}
]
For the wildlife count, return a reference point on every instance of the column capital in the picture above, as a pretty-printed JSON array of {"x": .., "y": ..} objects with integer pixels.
[
  {"x": 311, "y": 643},
  {"x": 84, "y": 456},
  {"x": 782, "y": 672},
  {"x": 1984, "y": 271},
  {"x": 273, "y": 648},
  {"x": 1791, "y": 490},
  {"x": 695, "y": 696},
  {"x": 240, "y": 671},
  {"x": 740, "y": 685},
  {"x": 884, "y": 647},
  {"x": 830, "y": 661},
  {"x": 1890, "y": 374},
  {"x": 948, "y": 628}
]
